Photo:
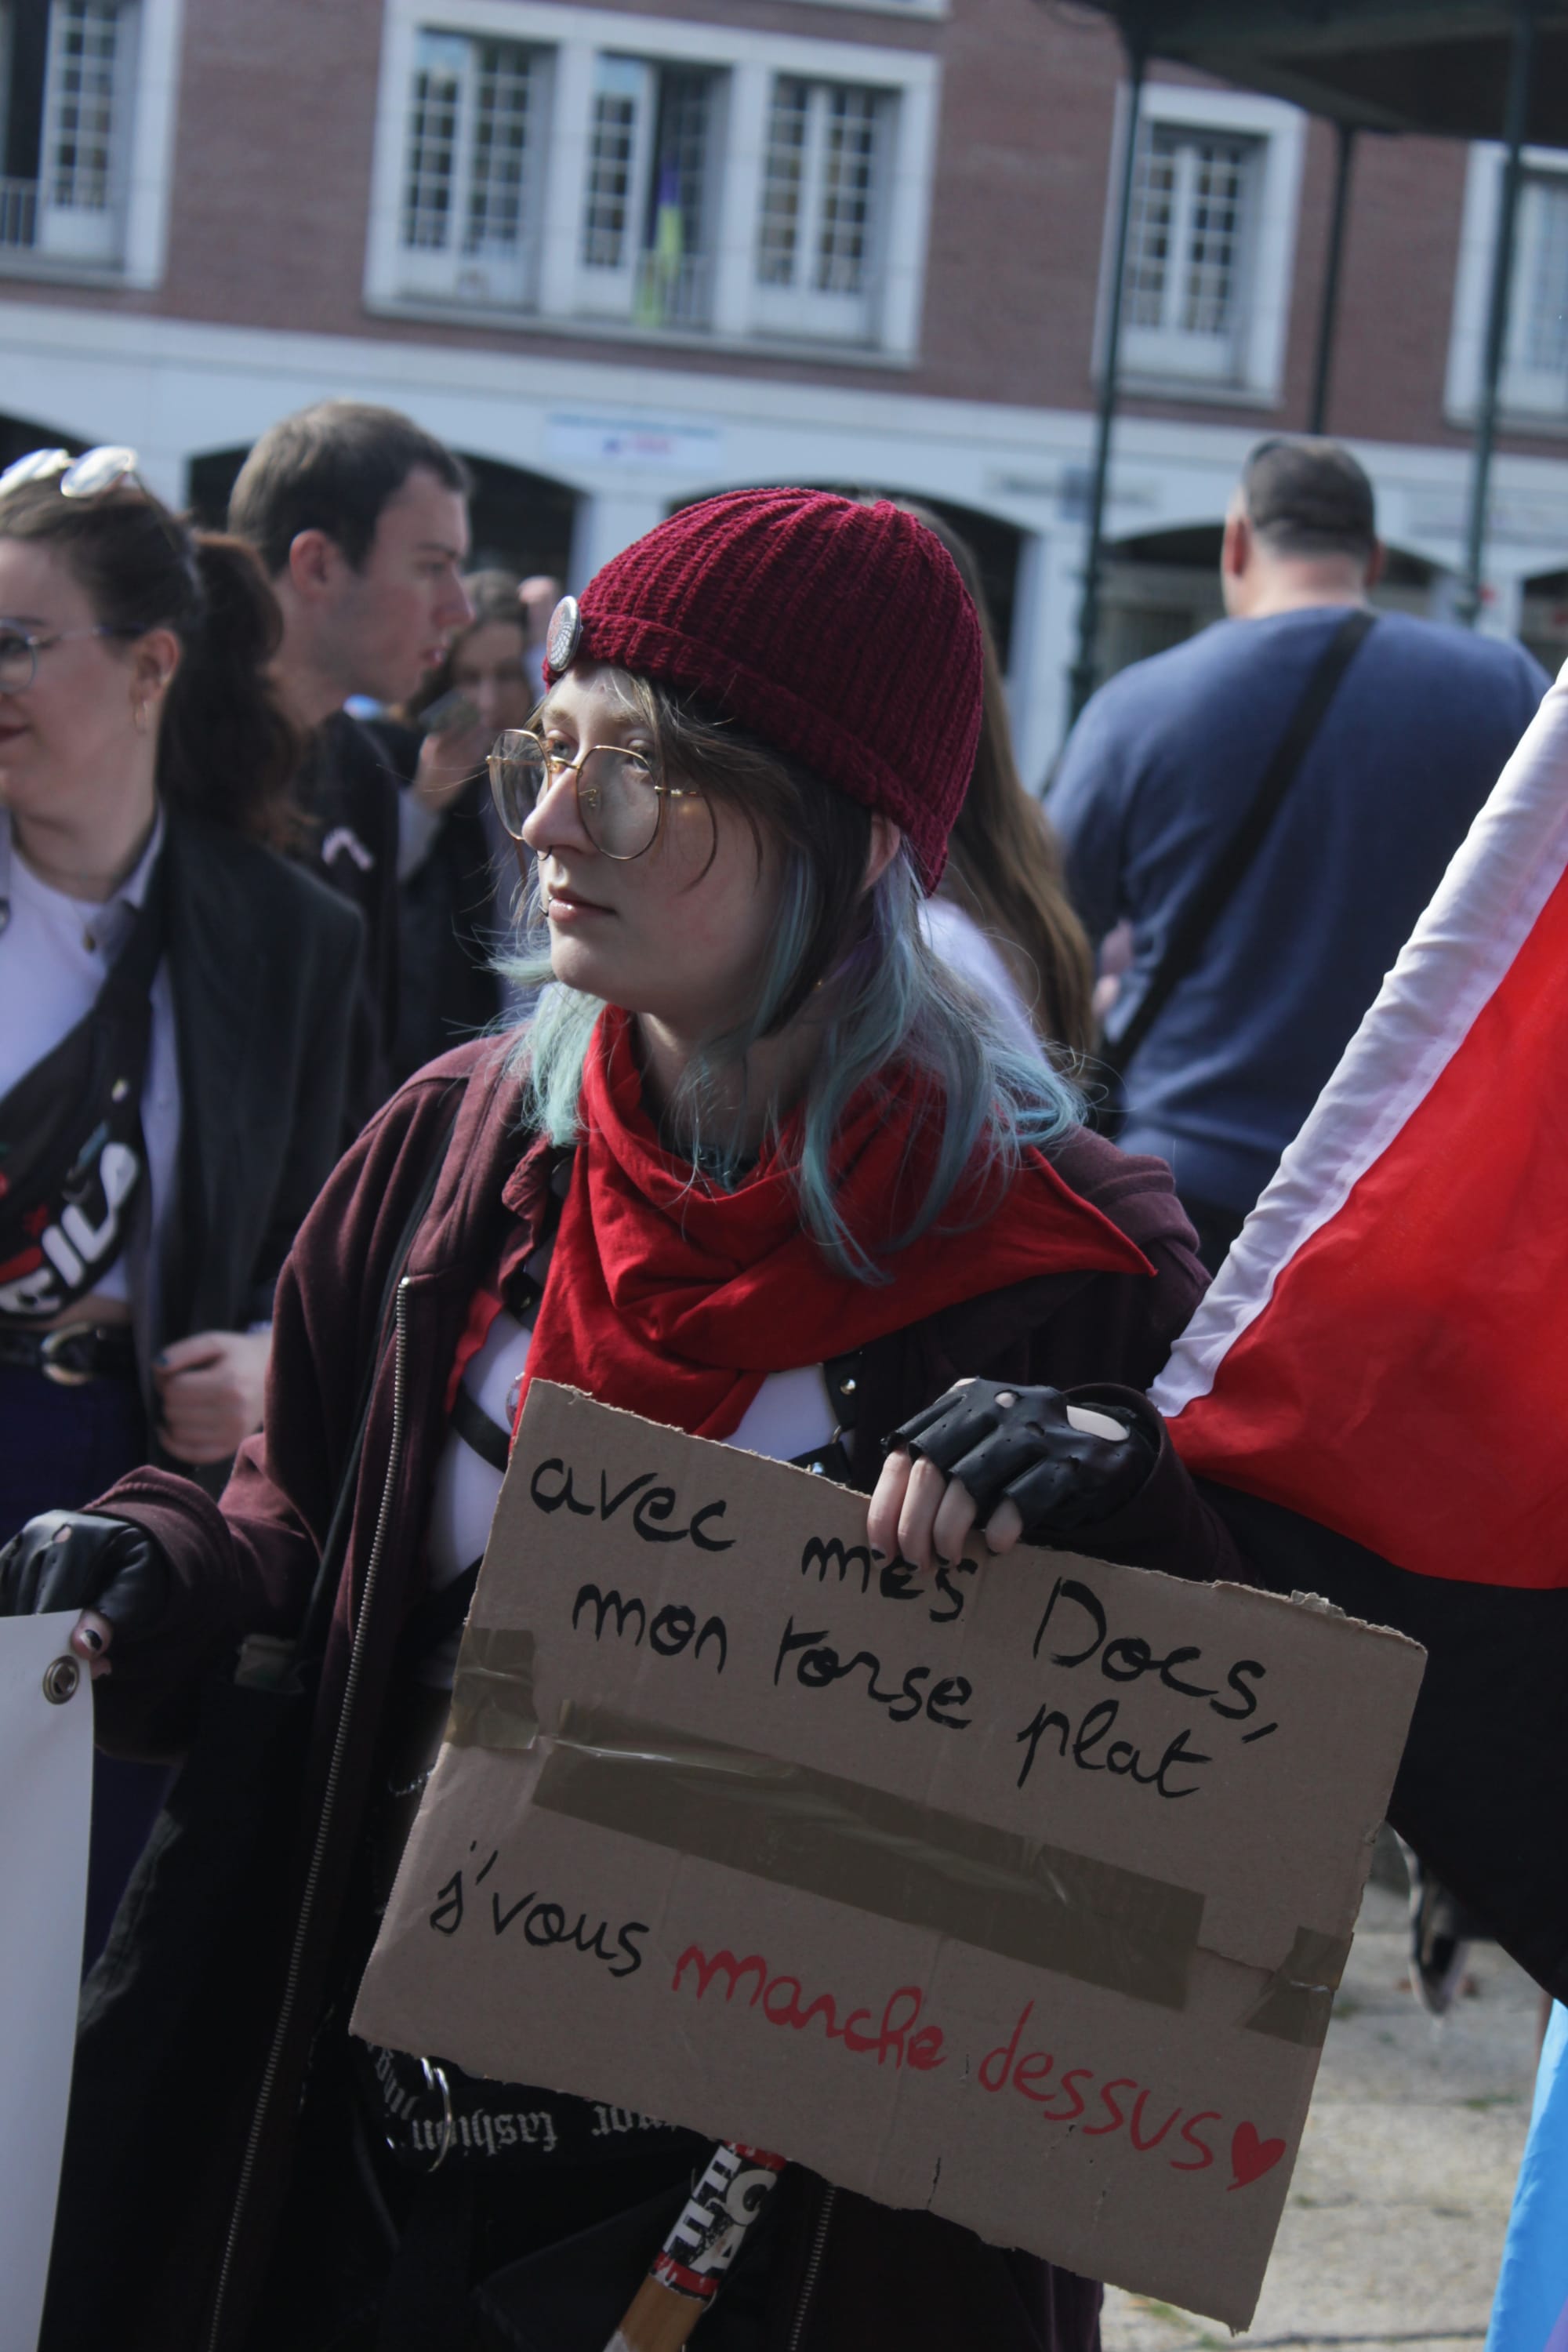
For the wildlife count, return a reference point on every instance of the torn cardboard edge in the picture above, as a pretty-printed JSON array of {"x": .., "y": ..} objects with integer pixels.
[{"x": 1312, "y": 1602}]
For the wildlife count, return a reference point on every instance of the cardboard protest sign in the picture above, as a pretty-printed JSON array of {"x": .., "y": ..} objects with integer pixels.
[
  {"x": 1019, "y": 1891},
  {"x": 46, "y": 1769}
]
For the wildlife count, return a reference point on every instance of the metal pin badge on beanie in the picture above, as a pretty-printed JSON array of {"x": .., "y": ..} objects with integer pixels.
[{"x": 563, "y": 635}]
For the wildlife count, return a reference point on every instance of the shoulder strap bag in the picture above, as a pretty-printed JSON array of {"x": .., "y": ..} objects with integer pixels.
[
  {"x": 72, "y": 1153},
  {"x": 1191, "y": 933}
]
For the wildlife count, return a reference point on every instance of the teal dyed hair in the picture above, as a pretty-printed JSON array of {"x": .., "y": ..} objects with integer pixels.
[{"x": 888, "y": 1006}]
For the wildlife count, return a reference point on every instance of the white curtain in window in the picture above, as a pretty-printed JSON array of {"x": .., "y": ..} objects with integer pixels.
[
  {"x": 467, "y": 189},
  {"x": 1537, "y": 359},
  {"x": 1189, "y": 252},
  {"x": 817, "y": 264},
  {"x": 620, "y": 130},
  {"x": 87, "y": 87}
]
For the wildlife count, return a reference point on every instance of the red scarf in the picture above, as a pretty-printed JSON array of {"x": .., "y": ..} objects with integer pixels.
[{"x": 675, "y": 1299}]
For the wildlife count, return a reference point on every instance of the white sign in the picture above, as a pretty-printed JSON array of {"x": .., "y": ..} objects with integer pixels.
[
  {"x": 45, "y": 1770},
  {"x": 640, "y": 445}
]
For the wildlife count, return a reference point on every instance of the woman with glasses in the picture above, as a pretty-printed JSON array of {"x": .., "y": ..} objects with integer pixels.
[
  {"x": 759, "y": 1168},
  {"x": 171, "y": 1006}
]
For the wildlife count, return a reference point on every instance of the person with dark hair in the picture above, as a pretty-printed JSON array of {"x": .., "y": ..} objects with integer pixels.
[
  {"x": 174, "y": 1002},
  {"x": 1308, "y": 498},
  {"x": 1003, "y": 914},
  {"x": 759, "y": 1166},
  {"x": 459, "y": 878},
  {"x": 1269, "y": 806},
  {"x": 359, "y": 517}
]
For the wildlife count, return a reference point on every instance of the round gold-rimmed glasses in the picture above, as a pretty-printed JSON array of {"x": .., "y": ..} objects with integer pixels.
[{"x": 620, "y": 799}]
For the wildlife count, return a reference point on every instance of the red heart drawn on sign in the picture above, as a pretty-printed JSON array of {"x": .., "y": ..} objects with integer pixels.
[{"x": 1251, "y": 2157}]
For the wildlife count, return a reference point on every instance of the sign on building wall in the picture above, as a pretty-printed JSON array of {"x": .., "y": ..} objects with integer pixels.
[{"x": 644, "y": 444}]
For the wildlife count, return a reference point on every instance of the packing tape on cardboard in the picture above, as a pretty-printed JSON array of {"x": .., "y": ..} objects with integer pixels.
[
  {"x": 1096, "y": 1921},
  {"x": 809, "y": 1830},
  {"x": 492, "y": 1691},
  {"x": 1297, "y": 2001}
]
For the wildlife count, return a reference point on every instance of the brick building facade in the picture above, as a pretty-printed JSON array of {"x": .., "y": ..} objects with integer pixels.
[{"x": 626, "y": 254}]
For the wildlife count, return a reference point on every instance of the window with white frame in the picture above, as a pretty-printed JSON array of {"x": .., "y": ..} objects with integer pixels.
[
  {"x": 1189, "y": 250},
  {"x": 817, "y": 243},
  {"x": 647, "y": 202},
  {"x": 1538, "y": 339},
  {"x": 1534, "y": 380},
  {"x": 468, "y": 226},
  {"x": 1211, "y": 234},
  {"x": 67, "y": 81},
  {"x": 645, "y": 175}
]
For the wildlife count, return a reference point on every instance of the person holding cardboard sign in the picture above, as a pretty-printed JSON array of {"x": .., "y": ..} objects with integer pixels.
[{"x": 759, "y": 1168}]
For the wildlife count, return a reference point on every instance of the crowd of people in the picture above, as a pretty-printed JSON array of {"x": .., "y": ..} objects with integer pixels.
[{"x": 419, "y": 982}]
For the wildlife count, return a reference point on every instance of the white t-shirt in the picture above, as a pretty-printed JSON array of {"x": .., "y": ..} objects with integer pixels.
[
  {"x": 55, "y": 955},
  {"x": 791, "y": 1414}
]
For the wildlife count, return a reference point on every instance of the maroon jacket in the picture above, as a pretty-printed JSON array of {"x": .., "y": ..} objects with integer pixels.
[{"x": 885, "y": 2277}]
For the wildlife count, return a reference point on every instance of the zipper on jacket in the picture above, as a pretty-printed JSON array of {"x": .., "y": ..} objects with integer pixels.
[
  {"x": 317, "y": 1855},
  {"x": 813, "y": 2265}
]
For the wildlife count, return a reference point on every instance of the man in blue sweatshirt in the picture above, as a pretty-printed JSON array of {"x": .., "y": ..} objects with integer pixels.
[{"x": 1167, "y": 758}]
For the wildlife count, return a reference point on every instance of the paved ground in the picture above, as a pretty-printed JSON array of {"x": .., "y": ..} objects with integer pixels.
[{"x": 1398, "y": 2209}]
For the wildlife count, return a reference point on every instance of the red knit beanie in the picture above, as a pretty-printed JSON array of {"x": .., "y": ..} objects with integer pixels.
[{"x": 840, "y": 632}]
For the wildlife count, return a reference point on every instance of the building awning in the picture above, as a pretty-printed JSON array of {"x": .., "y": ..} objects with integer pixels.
[{"x": 1436, "y": 66}]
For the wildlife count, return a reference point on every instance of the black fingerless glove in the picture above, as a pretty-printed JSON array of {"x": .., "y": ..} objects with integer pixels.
[
  {"x": 1018, "y": 1443},
  {"x": 72, "y": 1559}
]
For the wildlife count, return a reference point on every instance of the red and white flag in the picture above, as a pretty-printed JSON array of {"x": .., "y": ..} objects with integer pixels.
[
  {"x": 1386, "y": 1347},
  {"x": 1376, "y": 1384}
]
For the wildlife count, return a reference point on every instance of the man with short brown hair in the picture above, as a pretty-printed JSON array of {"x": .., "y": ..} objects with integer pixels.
[{"x": 361, "y": 518}]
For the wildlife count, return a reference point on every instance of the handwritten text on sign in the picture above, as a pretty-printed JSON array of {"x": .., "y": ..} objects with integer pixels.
[{"x": 1019, "y": 1891}]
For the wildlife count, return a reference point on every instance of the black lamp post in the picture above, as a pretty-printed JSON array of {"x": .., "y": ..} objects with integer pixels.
[
  {"x": 1082, "y": 675},
  {"x": 1521, "y": 57}
]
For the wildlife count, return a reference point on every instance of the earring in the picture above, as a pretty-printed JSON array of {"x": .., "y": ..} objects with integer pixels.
[{"x": 139, "y": 714}]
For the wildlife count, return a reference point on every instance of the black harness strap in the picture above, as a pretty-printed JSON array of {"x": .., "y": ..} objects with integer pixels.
[
  {"x": 488, "y": 1439},
  {"x": 1219, "y": 885},
  {"x": 72, "y": 1154}
]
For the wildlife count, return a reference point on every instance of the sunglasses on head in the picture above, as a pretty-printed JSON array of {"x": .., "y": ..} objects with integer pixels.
[{"x": 87, "y": 477}]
